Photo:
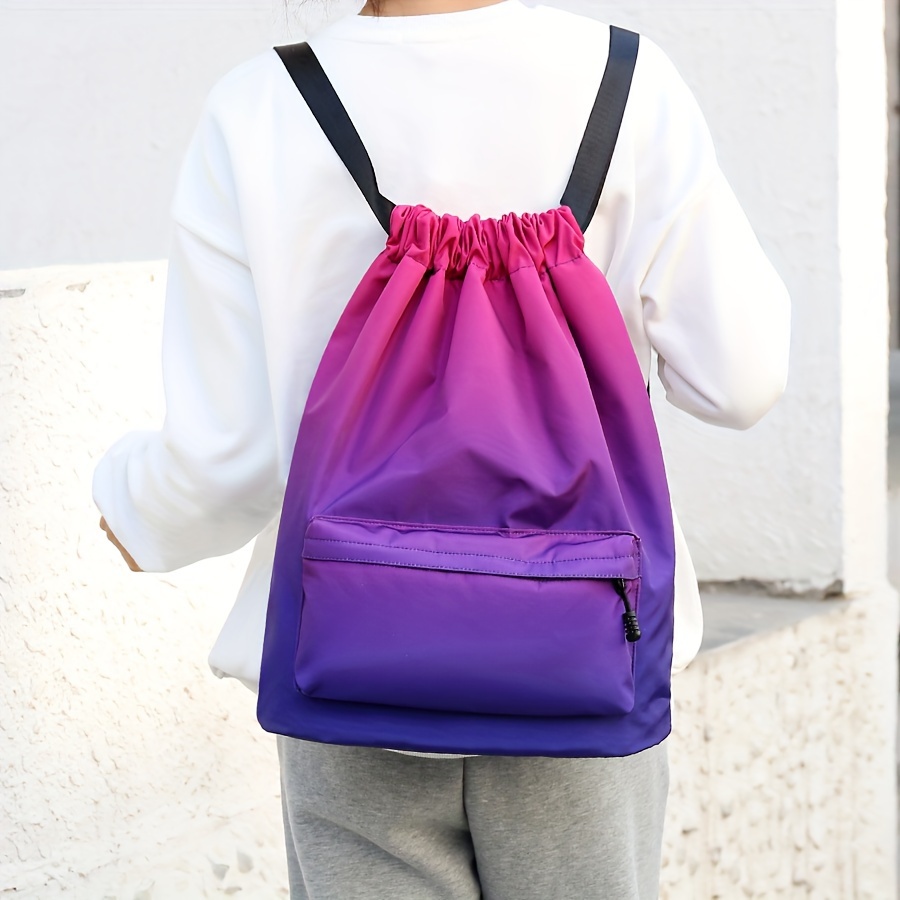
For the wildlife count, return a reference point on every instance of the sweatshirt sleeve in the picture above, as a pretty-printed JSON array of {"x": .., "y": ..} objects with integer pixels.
[
  {"x": 208, "y": 481},
  {"x": 714, "y": 309}
]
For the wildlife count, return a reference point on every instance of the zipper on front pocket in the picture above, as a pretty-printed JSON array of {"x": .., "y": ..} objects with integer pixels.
[{"x": 632, "y": 626}]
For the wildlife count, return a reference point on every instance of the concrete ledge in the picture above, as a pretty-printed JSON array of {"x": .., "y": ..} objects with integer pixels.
[{"x": 738, "y": 614}]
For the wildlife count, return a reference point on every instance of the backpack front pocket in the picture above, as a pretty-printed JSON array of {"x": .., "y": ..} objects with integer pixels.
[{"x": 476, "y": 620}]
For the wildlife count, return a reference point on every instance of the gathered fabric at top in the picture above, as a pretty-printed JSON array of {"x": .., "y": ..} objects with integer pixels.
[{"x": 499, "y": 246}]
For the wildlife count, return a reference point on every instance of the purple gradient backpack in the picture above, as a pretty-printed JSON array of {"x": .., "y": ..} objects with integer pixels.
[{"x": 477, "y": 510}]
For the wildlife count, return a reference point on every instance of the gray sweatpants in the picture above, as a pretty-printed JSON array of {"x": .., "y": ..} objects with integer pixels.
[{"x": 365, "y": 824}]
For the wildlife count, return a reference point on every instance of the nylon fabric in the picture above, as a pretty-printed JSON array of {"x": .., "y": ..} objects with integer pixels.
[{"x": 480, "y": 377}]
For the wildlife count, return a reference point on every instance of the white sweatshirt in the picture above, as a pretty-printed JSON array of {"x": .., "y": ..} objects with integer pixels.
[{"x": 471, "y": 112}]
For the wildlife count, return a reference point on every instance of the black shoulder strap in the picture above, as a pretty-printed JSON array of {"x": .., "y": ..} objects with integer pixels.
[
  {"x": 326, "y": 106},
  {"x": 585, "y": 185},
  {"x": 592, "y": 161}
]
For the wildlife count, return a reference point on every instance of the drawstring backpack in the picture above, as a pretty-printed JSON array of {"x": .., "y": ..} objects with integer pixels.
[{"x": 475, "y": 554}]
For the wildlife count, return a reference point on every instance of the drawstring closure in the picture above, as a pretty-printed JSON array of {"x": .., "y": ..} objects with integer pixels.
[{"x": 498, "y": 246}]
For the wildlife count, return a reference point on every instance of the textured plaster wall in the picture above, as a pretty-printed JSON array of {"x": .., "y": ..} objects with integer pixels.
[
  {"x": 126, "y": 769},
  {"x": 782, "y": 763}
]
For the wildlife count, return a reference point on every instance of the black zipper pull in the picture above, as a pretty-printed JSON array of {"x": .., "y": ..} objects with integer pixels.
[{"x": 632, "y": 626}]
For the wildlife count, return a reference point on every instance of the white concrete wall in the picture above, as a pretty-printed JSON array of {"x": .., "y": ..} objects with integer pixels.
[{"x": 98, "y": 99}]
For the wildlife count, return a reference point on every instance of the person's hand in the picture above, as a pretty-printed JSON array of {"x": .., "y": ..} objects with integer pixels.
[{"x": 115, "y": 542}]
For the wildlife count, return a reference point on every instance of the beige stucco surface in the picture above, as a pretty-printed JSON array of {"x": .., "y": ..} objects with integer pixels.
[
  {"x": 125, "y": 765},
  {"x": 782, "y": 762}
]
